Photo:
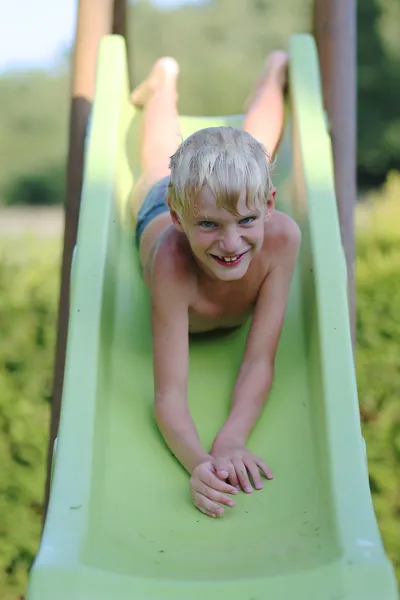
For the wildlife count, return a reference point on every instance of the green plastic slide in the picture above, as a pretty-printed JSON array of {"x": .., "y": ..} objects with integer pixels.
[{"x": 121, "y": 524}]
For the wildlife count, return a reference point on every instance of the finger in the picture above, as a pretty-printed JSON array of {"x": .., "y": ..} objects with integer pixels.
[
  {"x": 212, "y": 481},
  {"x": 252, "y": 468},
  {"x": 225, "y": 470},
  {"x": 207, "y": 506},
  {"x": 264, "y": 468},
  {"x": 222, "y": 467},
  {"x": 214, "y": 495},
  {"x": 207, "y": 512},
  {"x": 210, "y": 513},
  {"x": 243, "y": 477},
  {"x": 233, "y": 479}
]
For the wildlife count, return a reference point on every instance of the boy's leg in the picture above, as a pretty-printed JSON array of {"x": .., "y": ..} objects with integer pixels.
[
  {"x": 265, "y": 107},
  {"x": 160, "y": 135}
]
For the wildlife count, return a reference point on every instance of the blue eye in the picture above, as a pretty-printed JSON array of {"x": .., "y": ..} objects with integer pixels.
[
  {"x": 207, "y": 224},
  {"x": 246, "y": 221}
]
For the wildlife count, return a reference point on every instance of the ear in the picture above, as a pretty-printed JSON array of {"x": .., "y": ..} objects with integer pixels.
[
  {"x": 270, "y": 203},
  {"x": 176, "y": 221}
]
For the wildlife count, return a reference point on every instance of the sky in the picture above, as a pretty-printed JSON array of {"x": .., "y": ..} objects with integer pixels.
[{"x": 35, "y": 33}]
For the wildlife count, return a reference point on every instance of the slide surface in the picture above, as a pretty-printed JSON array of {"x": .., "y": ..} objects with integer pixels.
[{"x": 121, "y": 524}]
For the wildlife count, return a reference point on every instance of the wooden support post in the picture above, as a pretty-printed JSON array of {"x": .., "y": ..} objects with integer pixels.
[
  {"x": 119, "y": 18},
  {"x": 95, "y": 18},
  {"x": 335, "y": 34}
]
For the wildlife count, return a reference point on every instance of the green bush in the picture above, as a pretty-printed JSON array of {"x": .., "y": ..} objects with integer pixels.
[
  {"x": 42, "y": 188},
  {"x": 28, "y": 302},
  {"x": 378, "y": 358}
]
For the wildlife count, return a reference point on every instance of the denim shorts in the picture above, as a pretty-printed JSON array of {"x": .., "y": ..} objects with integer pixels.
[{"x": 153, "y": 205}]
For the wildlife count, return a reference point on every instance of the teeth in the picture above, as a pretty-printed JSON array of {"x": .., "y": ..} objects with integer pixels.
[{"x": 228, "y": 258}]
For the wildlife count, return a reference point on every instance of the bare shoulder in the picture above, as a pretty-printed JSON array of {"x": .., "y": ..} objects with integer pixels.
[
  {"x": 282, "y": 229},
  {"x": 171, "y": 273},
  {"x": 282, "y": 235}
]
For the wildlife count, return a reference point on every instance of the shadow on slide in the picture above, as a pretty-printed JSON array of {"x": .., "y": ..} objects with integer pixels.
[{"x": 120, "y": 523}]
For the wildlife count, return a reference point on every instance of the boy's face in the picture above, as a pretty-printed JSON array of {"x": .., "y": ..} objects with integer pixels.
[{"x": 224, "y": 244}]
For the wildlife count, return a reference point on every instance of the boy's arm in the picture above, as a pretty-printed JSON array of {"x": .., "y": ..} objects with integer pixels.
[
  {"x": 170, "y": 332},
  {"x": 256, "y": 373}
]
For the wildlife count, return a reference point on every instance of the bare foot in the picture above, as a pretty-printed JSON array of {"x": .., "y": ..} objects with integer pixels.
[
  {"x": 165, "y": 70},
  {"x": 274, "y": 71}
]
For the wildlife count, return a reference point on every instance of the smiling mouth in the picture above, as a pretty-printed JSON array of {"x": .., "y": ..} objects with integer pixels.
[{"x": 229, "y": 261}]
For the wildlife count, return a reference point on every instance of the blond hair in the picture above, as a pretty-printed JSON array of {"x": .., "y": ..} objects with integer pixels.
[{"x": 229, "y": 161}]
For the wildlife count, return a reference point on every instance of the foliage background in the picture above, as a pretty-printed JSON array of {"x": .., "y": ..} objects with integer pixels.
[{"x": 221, "y": 46}]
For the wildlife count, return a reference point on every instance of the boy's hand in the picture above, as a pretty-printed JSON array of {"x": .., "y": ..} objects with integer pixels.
[
  {"x": 208, "y": 489},
  {"x": 245, "y": 463}
]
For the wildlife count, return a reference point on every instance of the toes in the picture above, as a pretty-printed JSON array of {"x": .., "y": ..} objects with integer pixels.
[
  {"x": 169, "y": 65},
  {"x": 164, "y": 69}
]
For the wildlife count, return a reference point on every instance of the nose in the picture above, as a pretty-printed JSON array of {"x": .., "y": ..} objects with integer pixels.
[{"x": 230, "y": 240}]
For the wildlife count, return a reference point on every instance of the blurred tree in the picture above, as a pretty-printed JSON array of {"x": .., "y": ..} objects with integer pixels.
[
  {"x": 378, "y": 92},
  {"x": 389, "y": 27},
  {"x": 37, "y": 189},
  {"x": 34, "y": 126},
  {"x": 221, "y": 46}
]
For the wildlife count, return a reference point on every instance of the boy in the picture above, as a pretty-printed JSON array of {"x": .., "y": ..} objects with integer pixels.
[{"x": 213, "y": 250}]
